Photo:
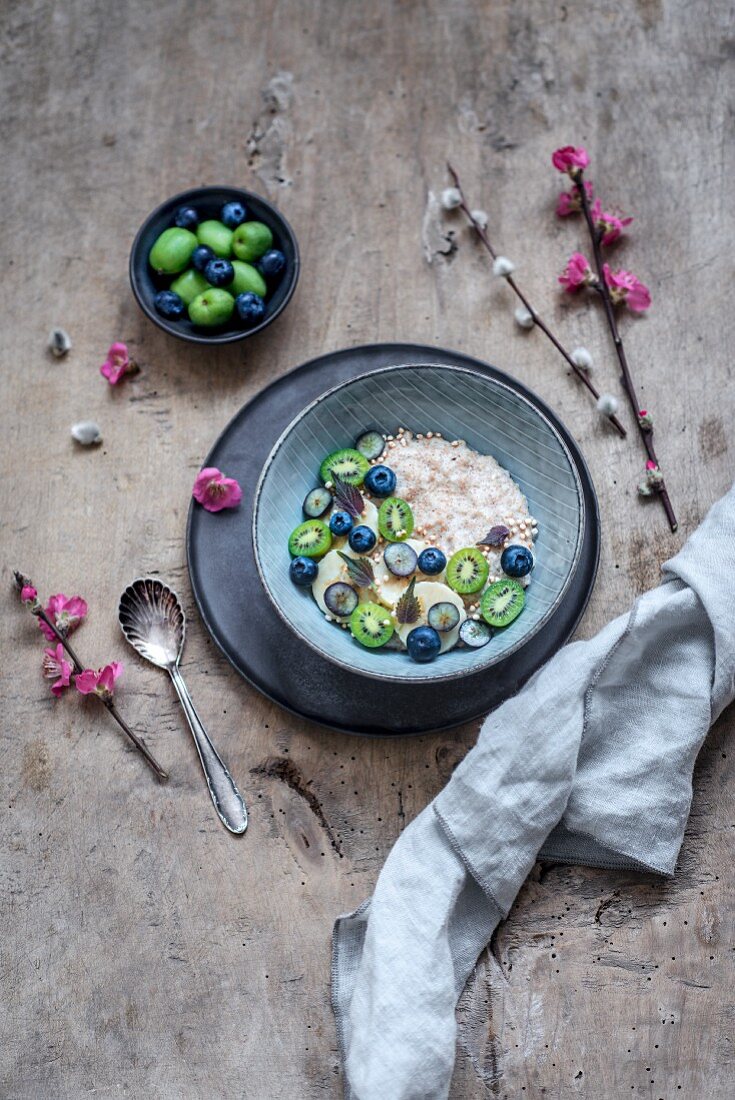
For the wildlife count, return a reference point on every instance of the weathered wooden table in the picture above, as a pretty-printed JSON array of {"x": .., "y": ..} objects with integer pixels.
[{"x": 144, "y": 951}]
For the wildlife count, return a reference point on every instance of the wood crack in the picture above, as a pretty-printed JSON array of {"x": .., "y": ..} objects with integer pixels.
[{"x": 277, "y": 767}]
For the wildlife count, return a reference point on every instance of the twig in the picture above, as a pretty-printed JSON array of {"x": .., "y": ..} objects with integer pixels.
[
  {"x": 79, "y": 667},
  {"x": 537, "y": 319},
  {"x": 646, "y": 433}
]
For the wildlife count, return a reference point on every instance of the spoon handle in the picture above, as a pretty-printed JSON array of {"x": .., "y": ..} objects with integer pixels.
[{"x": 227, "y": 799}]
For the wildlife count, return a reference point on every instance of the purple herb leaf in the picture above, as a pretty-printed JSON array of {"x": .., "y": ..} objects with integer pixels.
[
  {"x": 496, "y": 536},
  {"x": 360, "y": 570},
  {"x": 408, "y": 607},
  {"x": 347, "y": 497}
]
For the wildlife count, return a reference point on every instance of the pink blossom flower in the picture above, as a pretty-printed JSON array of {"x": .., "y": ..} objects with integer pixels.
[
  {"x": 569, "y": 201},
  {"x": 626, "y": 287},
  {"x": 610, "y": 225},
  {"x": 65, "y": 612},
  {"x": 100, "y": 681},
  {"x": 577, "y": 273},
  {"x": 56, "y": 667},
  {"x": 117, "y": 364},
  {"x": 214, "y": 491},
  {"x": 570, "y": 159},
  {"x": 28, "y": 593}
]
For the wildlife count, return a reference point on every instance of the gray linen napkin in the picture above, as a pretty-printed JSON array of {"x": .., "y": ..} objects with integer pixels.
[{"x": 590, "y": 763}]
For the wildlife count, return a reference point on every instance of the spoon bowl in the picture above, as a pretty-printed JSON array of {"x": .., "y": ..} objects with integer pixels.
[{"x": 153, "y": 621}]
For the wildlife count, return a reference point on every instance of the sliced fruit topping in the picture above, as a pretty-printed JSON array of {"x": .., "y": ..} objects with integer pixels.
[
  {"x": 370, "y": 625},
  {"x": 347, "y": 497},
  {"x": 467, "y": 570},
  {"x": 348, "y": 465},
  {"x": 443, "y": 616},
  {"x": 496, "y": 536},
  {"x": 359, "y": 570},
  {"x": 341, "y": 598},
  {"x": 432, "y": 561},
  {"x": 362, "y": 539},
  {"x": 380, "y": 481},
  {"x": 474, "y": 634},
  {"x": 303, "y": 571},
  {"x": 408, "y": 608},
  {"x": 340, "y": 523},
  {"x": 423, "y": 644},
  {"x": 316, "y": 502},
  {"x": 502, "y": 602},
  {"x": 401, "y": 559},
  {"x": 310, "y": 539},
  {"x": 516, "y": 561},
  {"x": 395, "y": 519},
  {"x": 371, "y": 444}
]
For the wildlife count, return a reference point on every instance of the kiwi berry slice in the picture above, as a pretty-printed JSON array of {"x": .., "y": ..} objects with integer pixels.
[
  {"x": 371, "y": 625},
  {"x": 371, "y": 444},
  {"x": 310, "y": 539},
  {"x": 395, "y": 519},
  {"x": 467, "y": 571},
  {"x": 502, "y": 602},
  {"x": 348, "y": 465}
]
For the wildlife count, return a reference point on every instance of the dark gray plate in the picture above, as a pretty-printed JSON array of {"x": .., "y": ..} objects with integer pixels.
[{"x": 253, "y": 637}]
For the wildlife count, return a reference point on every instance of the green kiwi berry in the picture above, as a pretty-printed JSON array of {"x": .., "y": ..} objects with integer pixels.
[
  {"x": 247, "y": 278},
  {"x": 348, "y": 465},
  {"x": 172, "y": 251},
  {"x": 250, "y": 240},
  {"x": 189, "y": 285},
  {"x": 217, "y": 237},
  {"x": 212, "y": 307},
  {"x": 371, "y": 625}
]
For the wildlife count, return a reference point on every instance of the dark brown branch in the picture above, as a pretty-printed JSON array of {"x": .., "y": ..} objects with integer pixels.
[
  {"x": 537, "y": 319},
  {"x": 79, "y": 667},
  {"x": 646, "y": 433}
]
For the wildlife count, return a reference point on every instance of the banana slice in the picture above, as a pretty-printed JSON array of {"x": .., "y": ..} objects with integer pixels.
[
  {"x": 331, "y": 570},
  {"x": 428, "y": 593},
  {"x": 390, "y": 588}
]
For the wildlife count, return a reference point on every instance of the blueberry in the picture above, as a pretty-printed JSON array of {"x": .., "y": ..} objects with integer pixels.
[
  {"x": 516, "y": 561},
  {"x": 431, "y": 561},
  {"x": 380, "y": 481},
  {"x": 169, "y": 305},
  {"x": 362, "y": 539},
  {"x": 219, "y": 272},
  {"x": 201, "y": 256},
  {"x": 423, "y": 643},
  {"x": 232, "y": 214},
  {"x": 340, "y": 523},
  {"x": 250, "y": 307},
  {"x": 303, "y": 571},
  {"x": 186, "y": 217},
  {"x": 272, "y": 263}
]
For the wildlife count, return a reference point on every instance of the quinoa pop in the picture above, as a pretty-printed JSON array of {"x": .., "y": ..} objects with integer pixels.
[{"x": 415, "y": 542}]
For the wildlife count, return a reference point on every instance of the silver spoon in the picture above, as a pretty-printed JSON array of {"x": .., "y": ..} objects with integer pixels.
[{"x": 153, "y": 621}]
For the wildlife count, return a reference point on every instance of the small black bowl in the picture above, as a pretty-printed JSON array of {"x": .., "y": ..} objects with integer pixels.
[{"x": 208, "y": 202}]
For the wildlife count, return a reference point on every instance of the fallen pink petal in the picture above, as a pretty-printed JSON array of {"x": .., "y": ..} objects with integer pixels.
[
  {"x": 117, "y": 364},
  {"x": 65, "y": 612},
  {"x": 214, "y": 491},
  {"x": 57, "y": 668}
]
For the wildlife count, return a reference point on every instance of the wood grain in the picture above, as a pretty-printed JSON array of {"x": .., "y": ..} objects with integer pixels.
[{"x": 144, "y": 951}]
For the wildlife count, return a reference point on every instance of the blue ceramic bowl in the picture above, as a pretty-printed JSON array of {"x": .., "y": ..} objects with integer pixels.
[
  {"x": 208, "y": 202},
  {"x": 461, "y": 404}
]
